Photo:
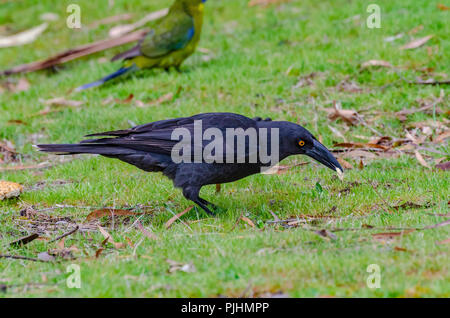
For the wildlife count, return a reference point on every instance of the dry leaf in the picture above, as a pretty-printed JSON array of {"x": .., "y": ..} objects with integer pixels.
[
  {"x": 248, "y": 221},
  {"x": 421, "y": 160},
  {"x": 9, "y": 189},
  {"x": 97, "y": 214},
  {"x": 24, "y": 37},
  {"x": 447, "y": 241},
  {"x": 165, "y": 98},
  {"x": 326, "y": 234},
  {"x": 442, "y": 7},
  {"x": 442, "y": 136},
  {"x": 376, "y": 63},
  {"x": 349, "y": 116},
  {"x": 416, "y": 43},
  {"x": 390, "y": 235},
  {"x": 108, "y": 238},
  {"x": 176, "y": 217},
  {"x": 344, "y": 164},
  {"x": 356, "y": 145},
  {"x": 218, "y": 187},
  {"x": 444, "y": 166},
  {"x": 175, "y": 266}
]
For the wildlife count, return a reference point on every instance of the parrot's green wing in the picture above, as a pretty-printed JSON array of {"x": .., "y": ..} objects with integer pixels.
[{"x": 173, "y": 33}]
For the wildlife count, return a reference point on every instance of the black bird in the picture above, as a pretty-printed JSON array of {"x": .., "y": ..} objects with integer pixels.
[{"x": 150, "y": 148}]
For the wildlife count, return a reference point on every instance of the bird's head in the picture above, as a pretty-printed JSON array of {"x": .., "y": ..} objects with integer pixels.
[
  {"x": 191, "y": 5},
  {"x": 294, "y": 139}
]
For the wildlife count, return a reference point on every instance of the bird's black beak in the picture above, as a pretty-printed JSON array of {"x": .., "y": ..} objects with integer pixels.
[{"x": 320, "y": 153}]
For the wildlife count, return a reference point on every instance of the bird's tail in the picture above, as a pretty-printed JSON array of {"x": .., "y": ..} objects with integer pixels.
[
  {"x": 74, "y": 149},
  {"x": 119, "y": 72}
]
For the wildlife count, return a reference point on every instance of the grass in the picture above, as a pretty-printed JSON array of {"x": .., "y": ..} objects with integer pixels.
[{"x": 258, "y": 55}]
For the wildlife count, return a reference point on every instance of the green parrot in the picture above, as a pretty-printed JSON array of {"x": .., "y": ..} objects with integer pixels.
[{"x": 168, "y": 44}]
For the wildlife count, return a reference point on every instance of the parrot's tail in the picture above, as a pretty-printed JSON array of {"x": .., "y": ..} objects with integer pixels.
[{"x": 119, "y": 72}]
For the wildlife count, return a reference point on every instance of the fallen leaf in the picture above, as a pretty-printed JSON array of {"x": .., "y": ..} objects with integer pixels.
[
  {"x": 447, "y": 241},
  {"x": 442, "y": 7},
  {"x": 356, "y": 145},
  {"x": 248, "y": 221},
  {"x": 444, "y": 166},
  {"x": 349, "y": 116},
  {"x": 345, "y": 164},
  {"x": 9, "y": 190},
  {"x": 175, "y": 266},
  {"x": 218, "y": 187},
  {"x": 400, "y": 249},
  {"x": 390, "y": 235},
  {"x": 442, "y": 136},
  {"x": 326, "y": 234},
  {"x": 97, "y": 214},
  {"x": 108, "y": 238},
  {"x": 15, "y": 87},
  {"x": 416, "y": 43},
  {"x": 165, "y": 98},
  {"x": 376, "y": 63},
  {"x": 394, "y": 37},
  {"x": 24, "y": 37},
  {"x": 421, "y": 160},
  {"x": 46, "y": 257},
  {"x": 176, "y": 217}
]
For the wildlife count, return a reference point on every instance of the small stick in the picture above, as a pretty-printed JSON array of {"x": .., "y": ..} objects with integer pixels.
[
  {"x": 22, "y": 258},
  {"x": 65, "y": 234}
]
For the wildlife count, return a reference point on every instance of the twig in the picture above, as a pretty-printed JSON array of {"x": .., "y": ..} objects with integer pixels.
[
  {"x": 22, "y": 258},
  {"x": 65, "y": 234}
]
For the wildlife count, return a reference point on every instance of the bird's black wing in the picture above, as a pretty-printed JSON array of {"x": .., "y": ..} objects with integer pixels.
[{"x": 158, "y": 136}]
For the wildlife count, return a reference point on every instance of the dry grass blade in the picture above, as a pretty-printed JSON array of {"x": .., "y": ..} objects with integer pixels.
[
  {"x": 146, "y": 232},
  {"x": 176, "y": 217}
]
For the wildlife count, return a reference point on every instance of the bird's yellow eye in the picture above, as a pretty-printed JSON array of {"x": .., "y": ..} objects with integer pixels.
[{"x": 301, "y": 143}]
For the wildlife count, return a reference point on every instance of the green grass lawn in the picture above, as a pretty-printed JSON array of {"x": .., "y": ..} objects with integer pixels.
[{"x": 254, "y": 59}]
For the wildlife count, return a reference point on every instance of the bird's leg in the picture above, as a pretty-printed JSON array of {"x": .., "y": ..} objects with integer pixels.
[
  {"x": 204, "y": 206},
  {"x": 208, "y": 203},
  {"x": 192, "y": 193}
]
